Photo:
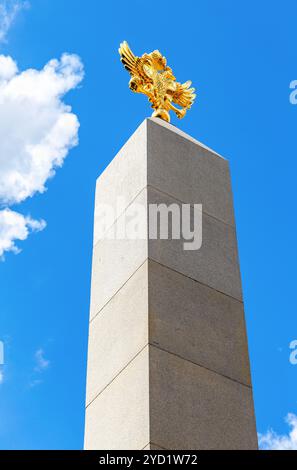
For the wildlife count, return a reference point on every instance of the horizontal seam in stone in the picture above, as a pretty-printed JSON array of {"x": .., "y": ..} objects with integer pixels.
[
  {"x": 120, "y": 215},
  {"x": 154, "y": 444},
  {"x": 200, "y": 365},
  {"x": 120, "y": 288},
  {"x": 173, "y": 354},
  {"x": 148, "y": 185},
  {"x": 171, "y": 269},
  {"x": 115, "y": 377},
  {"x": 191, "y": 204},
  {"x": 146, "y": 445},
  {"x": 195, "y": 280}
]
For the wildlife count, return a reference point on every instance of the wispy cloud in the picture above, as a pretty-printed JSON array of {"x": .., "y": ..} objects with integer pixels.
[
  {"x": 37, "y": 130},
  {"x": 35, "y": 382},
  {"x": 9, "y": 9},
  {"x": 41, "y": 362},
  {"x": 1, "y": 376},
  {"x": 273, "y": 441}
]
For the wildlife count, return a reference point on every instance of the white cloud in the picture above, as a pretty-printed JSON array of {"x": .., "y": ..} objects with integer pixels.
[
  {"x": 14, "y": 226},
  {"x": 8, "y": 67},
  {"x": 41, "y": 362},
  {"x": 8, "y": 12},
  {"x": 1, "y": 377},
  {"x": 273, "y": 441},
  {"x": 37, "y": 130}
]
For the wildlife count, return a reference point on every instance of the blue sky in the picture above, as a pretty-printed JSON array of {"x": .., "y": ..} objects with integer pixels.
[{"x": 241, "y": 57}]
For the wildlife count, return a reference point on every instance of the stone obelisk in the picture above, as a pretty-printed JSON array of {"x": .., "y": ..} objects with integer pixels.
[{"x": 168, "y": 364}]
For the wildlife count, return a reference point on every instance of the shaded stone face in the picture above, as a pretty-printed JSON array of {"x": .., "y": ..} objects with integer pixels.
[{"x": 168, "y": 363}]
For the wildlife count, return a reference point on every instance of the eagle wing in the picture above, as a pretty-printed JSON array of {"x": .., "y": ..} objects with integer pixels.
[
  {"x": 132, "y": 63},
  {"x": 184, "y": 95}
]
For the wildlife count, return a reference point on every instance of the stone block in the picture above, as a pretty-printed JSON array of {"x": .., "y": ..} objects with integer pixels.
[
  {"x": 118, "y": 419},
  {"x": 194, "y": 408},
  {"x": 197, "y": 323},
  {"x": 118, "y": 333}
]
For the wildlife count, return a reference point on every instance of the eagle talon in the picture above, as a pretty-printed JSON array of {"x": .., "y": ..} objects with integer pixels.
[
  {"x": 162, "y": 114},
  {"x": 181, "y": 114}
]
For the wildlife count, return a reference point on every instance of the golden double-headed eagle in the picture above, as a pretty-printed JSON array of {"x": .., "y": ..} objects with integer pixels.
[{"x": 151, "y": 75}]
